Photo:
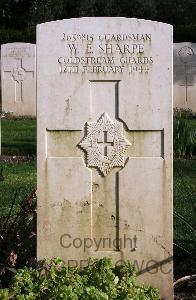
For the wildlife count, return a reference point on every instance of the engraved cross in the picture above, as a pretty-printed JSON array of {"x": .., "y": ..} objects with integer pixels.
[
  {"x": 18, "y": 73},
  {"x": 106, "y": 131},
  {"x": 105, "y": 142},
  {"x": 186, "y": 55}
]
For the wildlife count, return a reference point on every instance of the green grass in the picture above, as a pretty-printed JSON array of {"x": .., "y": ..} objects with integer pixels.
[
  {"x": 18, "y": 137},
  {"x": 20, "y": 178},
  {"x": 192, "y": 124},
  {"x": 185, "y": 204}
]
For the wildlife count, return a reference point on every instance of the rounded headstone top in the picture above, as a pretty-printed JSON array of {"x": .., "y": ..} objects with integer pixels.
[
  {"x": 104, "y": 19},
  {"x": 18, "y": 50}
]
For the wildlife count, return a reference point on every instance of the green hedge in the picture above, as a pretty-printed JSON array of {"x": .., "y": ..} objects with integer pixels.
[
  {"x": 14, "y": 35},
  {"x": 185, "y": 34}
]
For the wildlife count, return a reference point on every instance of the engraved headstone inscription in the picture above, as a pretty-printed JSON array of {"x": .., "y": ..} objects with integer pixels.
[
  {"x": 105, "y": 143},
  {"x": 185, "y": 75},
  {"x": 18, "y": 79}
]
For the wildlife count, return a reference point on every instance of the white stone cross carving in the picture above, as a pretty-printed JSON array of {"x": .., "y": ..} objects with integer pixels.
[
  {"x": 106, "y": 145},
  {"x": 19, "y": 74},
  {"x": 186, "y": 55}
]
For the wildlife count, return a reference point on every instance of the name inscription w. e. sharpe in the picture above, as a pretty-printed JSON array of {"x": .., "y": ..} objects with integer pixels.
[{"x": 106, "y": 53}]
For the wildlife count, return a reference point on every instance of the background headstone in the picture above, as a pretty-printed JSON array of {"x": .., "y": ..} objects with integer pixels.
[
  {"x": 105, "y": 143},
  {"x": 185, "y": 75},
  {"x": 18, "y": 78}
]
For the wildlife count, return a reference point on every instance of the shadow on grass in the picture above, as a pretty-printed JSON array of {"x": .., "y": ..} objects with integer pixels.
[{"x": 19, "y": 148}]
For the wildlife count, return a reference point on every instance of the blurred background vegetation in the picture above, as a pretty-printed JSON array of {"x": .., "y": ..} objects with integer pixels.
[{"x": 18, "y": 18}]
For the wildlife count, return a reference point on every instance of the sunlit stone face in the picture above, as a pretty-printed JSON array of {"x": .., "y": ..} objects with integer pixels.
[
  {"x": 105, "y": 144},
  {"x": 18, "y": 78}
]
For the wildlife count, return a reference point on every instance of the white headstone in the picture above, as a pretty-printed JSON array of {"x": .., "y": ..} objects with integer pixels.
[
  {"x": 18, "y": 79},
  {"x": 185, "y": 75},
  {"x": 105, "y": 143}
]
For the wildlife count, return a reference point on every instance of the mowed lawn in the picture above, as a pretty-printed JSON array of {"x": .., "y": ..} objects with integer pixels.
[
  {"x": 18, "y": 179},
  {"x": 18, "y": 137}
]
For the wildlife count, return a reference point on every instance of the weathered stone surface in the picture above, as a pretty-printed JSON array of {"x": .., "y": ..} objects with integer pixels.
[
  {"x": 18, "y": 79},
  {"x": 105, "y": 143},
  {"x": 185, "y": 75}
]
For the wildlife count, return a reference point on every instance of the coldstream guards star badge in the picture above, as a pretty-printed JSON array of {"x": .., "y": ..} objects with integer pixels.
[{"x": 104, "y": 144}]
